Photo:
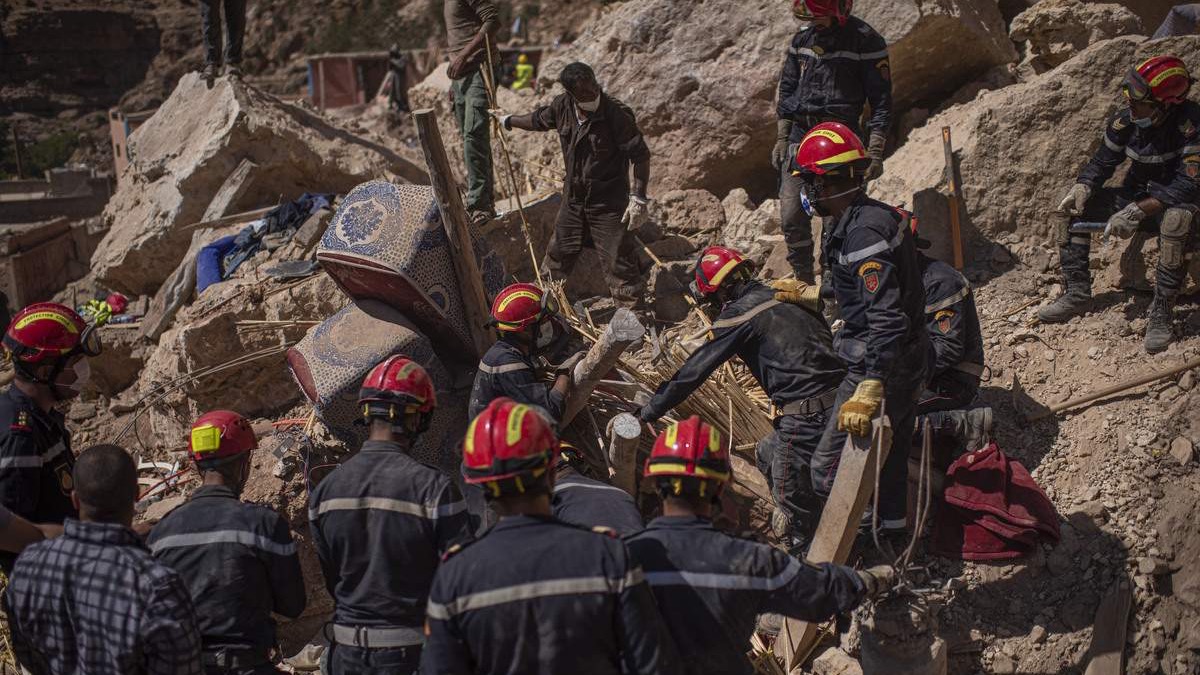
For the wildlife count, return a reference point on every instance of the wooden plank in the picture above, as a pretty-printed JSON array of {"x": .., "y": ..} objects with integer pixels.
[
  {"x": 852, "y": 487},
  {"x": 954, "y": 200},
  {"x": 231, "y": 190},
  {"x": 622, "y": 330},
  {"x": 457, "y": 224},
  {"x": 243, "y": 217},
  {"x": 1108, "y": 633},
  {"x": 624, "y": 435}
]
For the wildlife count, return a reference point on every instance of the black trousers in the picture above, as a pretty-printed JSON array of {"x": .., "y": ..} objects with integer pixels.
[
  {"x": 598, "y": 227},
  {"x": 235, "y": 28}
]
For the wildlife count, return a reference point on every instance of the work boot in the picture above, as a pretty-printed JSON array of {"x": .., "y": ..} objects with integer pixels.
[
  {"x": 1158, "y": 329},
  {"x": 234, "y": 71},
  {"x": 209, "y": 73},
  {"x": 1077, "y": 299}
]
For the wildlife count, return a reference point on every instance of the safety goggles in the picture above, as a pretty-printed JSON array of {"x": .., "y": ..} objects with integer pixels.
[
  {"x": 89, "y": 343},
  {"x": 1135, "y": 87}
]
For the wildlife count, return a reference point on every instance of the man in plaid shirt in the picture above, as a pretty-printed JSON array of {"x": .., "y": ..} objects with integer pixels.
[{"x": 94, "y": 600}]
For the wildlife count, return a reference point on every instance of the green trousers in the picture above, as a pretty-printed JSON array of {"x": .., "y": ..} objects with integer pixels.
[{"x": 471, "y": 111}]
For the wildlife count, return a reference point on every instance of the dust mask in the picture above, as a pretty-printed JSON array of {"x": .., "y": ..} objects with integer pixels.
[
  {"x": 591, "y": 106},
  {"x": 1143, "y": 122},
  {"x": 809, "y": 204}
]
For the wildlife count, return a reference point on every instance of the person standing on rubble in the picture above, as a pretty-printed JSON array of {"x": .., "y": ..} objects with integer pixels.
[
  {"x": 234, "y": 21},
  {"x": 1159, "y": 131},
  {"x": 238, "y": 559},
  {"x": 471, "y": 27},
  {"x": 600, "y": 141},
  {"x": 836, "y": 65},
  {"x": 711, "y": 586},
  {"x": 534, "y": 594},
  {"x": 582, "y": 500},
  {"x": 380, "y": 522},
  {"x": 48, "y": 345},
  {"x": 785, "y": 342},
  {"x": 868, "y": 249},
  {"x": 527, "y": 318}
]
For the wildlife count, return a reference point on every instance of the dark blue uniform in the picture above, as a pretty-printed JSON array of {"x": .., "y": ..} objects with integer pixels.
[
  {"x": 505, "y": 371},
  {"x": 871, "y": 259},
  {"x": 953, "y": 326},
  {"x": 239, "y": 563},
  {"x": 828, "y": 76},
  {"x": 35, "y": 463},
  {"x": 587, "y": 502},
  {"x": 789, "y": 349},
  {"x": 536, "y": 596},
  {"x": 710, "y": 588},
  {"x": 380, "y": 522},
  {"x": 1165, "y": 165}
]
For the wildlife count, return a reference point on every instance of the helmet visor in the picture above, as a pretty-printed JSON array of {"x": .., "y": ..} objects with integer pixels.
[
  {"x": 89, "y": 342},
  {"x": 1135, "y": 88}
]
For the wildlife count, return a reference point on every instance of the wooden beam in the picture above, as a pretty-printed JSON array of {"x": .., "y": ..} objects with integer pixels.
[
  {"x": 624, "y": 434},
  {"x": 853, "y": 485},
  {"x": 231, "y": 190},
  {"x": 622, "y": 330},
  {"x": 954, "y": 200},
  {"x": 458, "y": 230},
  {"x": 1108, "y": 634}
]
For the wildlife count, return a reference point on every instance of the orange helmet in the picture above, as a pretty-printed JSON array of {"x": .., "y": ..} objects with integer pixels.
[
  {"x": 715, "y": 265},
  {"x": 807, "y": 10},
  {"x": 520, "y": 306},
  {"x": 48, "y": 333},
  {"x": 1162, "y": 78},
  {"x": 218, "y": 436},
  {"x": 831, "y": 148},
  {"x": 508, "y": 447},
  {"x": 396, "y": 387},
  {"x": 688, "y": 457}
]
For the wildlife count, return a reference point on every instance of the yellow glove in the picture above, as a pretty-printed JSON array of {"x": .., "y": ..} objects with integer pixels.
[
  {"x": 855, "y": 415},
  {"x": 796, "y": 292}
]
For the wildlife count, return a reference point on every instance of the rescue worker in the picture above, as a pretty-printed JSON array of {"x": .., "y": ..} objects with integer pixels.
[
  {"x": 471, "y": 27},
  {"x": 957, "y": 360},
  {"x": 212, "y": 19},
  {"x": 380, "y": 522},
  {"x": 600, "y": 140},
  {"x": 524, "y": 73},
  {"x": 580, "y": 499},
  {"x": 526, "y": 317},
  {"x": 872, "y": 264},
  {"x": 534, "y": 594},
  {"x": 398, "y": 92},
  {"x": 789, "y": 350},
  {"x": 711, "y": 586},
  {"x": 48, "y": 345},
  {"x": 1159, "y": 131},
  {"x": 238, "y": 559},
  {"x": 835, "y": 65}
]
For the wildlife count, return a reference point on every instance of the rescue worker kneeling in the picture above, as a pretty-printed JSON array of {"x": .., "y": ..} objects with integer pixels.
[
  {"x": 710, "y": 586},
  {"x": 534, "y": 594},
  {"x": 238, "y": 560},
  {"x": 379, "y": 522}
]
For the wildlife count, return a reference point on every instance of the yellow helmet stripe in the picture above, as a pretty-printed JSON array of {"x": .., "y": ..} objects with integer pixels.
[
  {"x": 1169, "y": 72},
  {"x": 848, "y": 156},
  {"x": 519, "y": 294},
  {"x": 512, "y": 433},
  {"x": 723, "y": 272},
  {"x": 53, "y": 316},
  {"x": 676, "y": 468}
]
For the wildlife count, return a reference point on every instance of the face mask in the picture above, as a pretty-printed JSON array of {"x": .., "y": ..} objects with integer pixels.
[
  {"x": 545, "y": 334},
  {"x": 83, "y": 373},
  {"x": 809, "y": 204},
  {"x": 1143, "y": 122},
  {"x": 591, "y": 106}
]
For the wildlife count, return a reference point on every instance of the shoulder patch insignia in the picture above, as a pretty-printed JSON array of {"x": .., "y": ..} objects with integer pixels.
[
  {"x": 21, "y": 423},
  {"x": 1192, "y": 169},
  {"x": 608, "y": 531},
  {"x": 65, "y": 481},
  {"x": 943, "y": 318},
  {"x": 1119, "y": 123},
  {"x": 451, "y": 551},
  {"x": 869, "y": 272}
]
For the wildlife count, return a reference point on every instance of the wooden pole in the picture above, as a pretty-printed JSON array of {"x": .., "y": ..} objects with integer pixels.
[
  {"x": 853, "y": 485},
  {"x": 624, "y": 432},
  {"x": 622, "y": 330},
  {"x": 1108, "y": 634},
  {"x": 954, "y": 199},
  {"x": 454, "y": 219},
  {"x": 1114, "y": 389},
  {"x": 17, "y": 153}
]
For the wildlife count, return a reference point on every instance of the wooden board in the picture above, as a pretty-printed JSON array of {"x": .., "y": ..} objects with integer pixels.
[{"x": 1108, "y": 634}]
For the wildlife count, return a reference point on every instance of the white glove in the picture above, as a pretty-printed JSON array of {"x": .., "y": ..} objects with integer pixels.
[
  {"x": 1072, "y": 204},
  {"x": 501, "y": 117},
  {"x": 636, "y": 214},
  {"x": 1124, "y": 223}
]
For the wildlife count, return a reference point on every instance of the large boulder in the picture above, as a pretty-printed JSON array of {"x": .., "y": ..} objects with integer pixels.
[
  {"x": 1056, "y": 30},
  {"x": 702, "y": 75},
  {"x": 183, "y": 155},
  {"x": 1019, "y": 148}
]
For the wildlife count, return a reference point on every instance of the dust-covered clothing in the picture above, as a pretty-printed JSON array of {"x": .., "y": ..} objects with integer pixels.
[
  {"x": 587, "y": 502},
  {"x": 505, "y": 371}
]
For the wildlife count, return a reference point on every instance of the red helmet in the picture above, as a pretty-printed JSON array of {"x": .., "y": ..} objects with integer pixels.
[
  {"x": 48, "y": 333},
  {"x": 690, "y": 452},
  {"x": 831, "y": 148},
  {"x": 520, "y": 306},
  {"x": 807, "y": 10},
  {"x": 1162, "y": 78},
  {"x": 508, "y": 447},
  {"x": 220, "y": 435},
  {"x": 396, "y": 387},
  {"x": 715, "y": 265}
]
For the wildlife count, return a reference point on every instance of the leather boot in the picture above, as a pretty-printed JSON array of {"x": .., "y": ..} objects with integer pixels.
[
  {"x": 1077, "y": 299},
  {"x": 1158, "y": 328}
]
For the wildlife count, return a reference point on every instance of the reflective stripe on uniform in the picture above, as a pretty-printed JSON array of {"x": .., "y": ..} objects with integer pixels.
[
  {"x": 1112, "y": 146},
  {"x": 429, "y": 511},
  {"x": 946, "y": 302},
  {"x": 532, "y": 591},
  {"x": 33, "y": 461},
  {"x": 877, "y": 247},
  {"x": 736, "y": 582},
  {"x": 744, "y": 316},
  {"x": 853, "y": 56},
  {"x": 506, "y": 368},
  {"x": 588, "y": 486},
  {"x": 1150, "y": 159},
  {"x": 224, "y": 537}
]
